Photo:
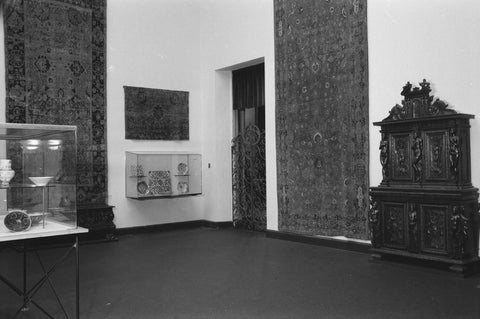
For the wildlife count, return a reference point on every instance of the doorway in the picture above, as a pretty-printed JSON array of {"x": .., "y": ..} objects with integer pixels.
[{"x": 248, "y": 148}]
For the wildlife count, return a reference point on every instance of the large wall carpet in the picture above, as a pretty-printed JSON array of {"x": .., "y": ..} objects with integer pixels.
[
  {"x": 322, "y": 116},
  {"x": 155, "y": 114},
  {"x": 55, "y": 61}
]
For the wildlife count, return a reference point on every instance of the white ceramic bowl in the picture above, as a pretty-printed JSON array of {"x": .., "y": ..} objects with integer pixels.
[{"x": 41, "y": 180}]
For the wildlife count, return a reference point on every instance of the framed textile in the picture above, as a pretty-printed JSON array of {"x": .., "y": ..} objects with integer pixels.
[
  {"x": 55, "y": 74},
  {"x": 321, "y": 70},
  {"x": 159, "y": 182},
  {"x": 155, "y": 114}
]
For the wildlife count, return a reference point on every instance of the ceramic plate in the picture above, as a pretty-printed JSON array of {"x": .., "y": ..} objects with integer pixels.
[
  {"x": 17, "y": 220},
  {"x": 182, "y": 169},
  {"x": 142, "y": 188},
  {"x": 182, "y": 187}
]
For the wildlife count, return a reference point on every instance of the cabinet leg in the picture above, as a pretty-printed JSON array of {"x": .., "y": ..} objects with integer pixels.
[
  {"x": 25, "y": 297},
  {"x": 462, "y": 270},
  {"x": 376, "y": 256}
]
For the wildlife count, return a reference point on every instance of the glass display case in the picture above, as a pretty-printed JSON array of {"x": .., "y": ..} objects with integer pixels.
[
  {"x": 160, "y": 174},
  {"x": 37, "y": 179}
]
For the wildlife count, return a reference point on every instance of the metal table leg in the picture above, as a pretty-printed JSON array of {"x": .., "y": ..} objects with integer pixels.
[{"x": 28, "y": 294}]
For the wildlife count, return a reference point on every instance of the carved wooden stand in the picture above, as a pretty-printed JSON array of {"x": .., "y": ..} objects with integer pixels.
[
  {"x": 426, "y": 207},
  {"x": 98, "y": 220}
]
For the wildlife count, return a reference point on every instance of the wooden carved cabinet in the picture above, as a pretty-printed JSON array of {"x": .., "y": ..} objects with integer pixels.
[{"x": 425, "y": 207}]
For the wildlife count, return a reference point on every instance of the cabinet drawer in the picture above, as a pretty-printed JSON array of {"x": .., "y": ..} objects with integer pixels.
[
  {"x": 434, "y": 228},
  {"x": 436, "y": 154},
  {"x": 401, "y": 154},
  {"x": 394, "y": 225}
]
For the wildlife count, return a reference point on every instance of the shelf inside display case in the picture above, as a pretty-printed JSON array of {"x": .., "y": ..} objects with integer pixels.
[
  {"x": 24, "y": 186},
  {"x": 38, "y": 180},
  {"x": 160, "y": 174}
]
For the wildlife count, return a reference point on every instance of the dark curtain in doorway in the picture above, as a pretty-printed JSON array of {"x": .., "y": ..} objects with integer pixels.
[
  {"x": 248, "y": 149},
  {"x": 249, "y": 87}
]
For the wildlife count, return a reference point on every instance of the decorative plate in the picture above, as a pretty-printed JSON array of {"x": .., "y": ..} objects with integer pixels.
[
  {"x": 17, "y": 220},
  {"x": 136, "y": 170},
  {"x": 142, "y": 188},
  {"x": 182, "y": 169},
  {"x": 182, "y": 187}
]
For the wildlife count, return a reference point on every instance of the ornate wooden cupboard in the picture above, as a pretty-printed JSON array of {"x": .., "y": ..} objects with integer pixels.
[{"x": 425, "y": 207}]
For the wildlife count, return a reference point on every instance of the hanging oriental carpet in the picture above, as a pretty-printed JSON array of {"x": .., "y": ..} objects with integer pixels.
[
  {"x": 55, "y": 65},
  {"x": 322, "y": 116}
]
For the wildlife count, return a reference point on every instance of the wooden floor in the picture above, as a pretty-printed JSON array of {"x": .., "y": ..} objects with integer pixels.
[{"x": 223, "y": 273}]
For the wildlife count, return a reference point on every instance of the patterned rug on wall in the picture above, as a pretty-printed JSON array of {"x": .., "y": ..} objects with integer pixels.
[
  {"x": 55, "y": 65},
  {"x": 155, "y": 114},
  {"x": 322, "y": 116}
]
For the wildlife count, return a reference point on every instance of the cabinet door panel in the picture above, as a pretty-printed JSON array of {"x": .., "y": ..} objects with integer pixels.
[
  {"x": 401, "y": 157},
  {"x": 394, "y": 222},
  {"x": 436, "y": 152},
  {"x": 434, "y": 228}
]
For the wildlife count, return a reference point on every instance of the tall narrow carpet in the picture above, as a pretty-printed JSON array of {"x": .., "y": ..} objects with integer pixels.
[
  {"x": 55, "y": 74},
  {"x": 322, "y": 116}
]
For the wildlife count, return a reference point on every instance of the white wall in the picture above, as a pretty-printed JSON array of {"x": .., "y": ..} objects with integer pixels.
[
  {"x": 410, "y": 40},
  {"x": 151, "y": 44},
  {"x": 234, "y": 32},
  {"x": 178, "y": 44}
]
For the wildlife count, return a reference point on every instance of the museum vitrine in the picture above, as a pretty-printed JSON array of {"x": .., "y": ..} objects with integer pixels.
[
  {"x": 160, "y": 174},
  {"x": 38, "y": 178}
]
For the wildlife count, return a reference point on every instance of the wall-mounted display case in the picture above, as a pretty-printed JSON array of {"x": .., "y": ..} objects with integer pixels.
[
  {"x": 38, "y": 179},
  {"x": 160, "y": 174}
]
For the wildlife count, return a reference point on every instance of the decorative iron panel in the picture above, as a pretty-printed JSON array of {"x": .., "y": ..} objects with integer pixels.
[{"x": 249, "y": 182}]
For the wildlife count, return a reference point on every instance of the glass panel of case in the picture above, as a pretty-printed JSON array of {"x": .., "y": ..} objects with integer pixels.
[
  {"x": 37, "y": 178},
  {"x": 158, "y": 174}
]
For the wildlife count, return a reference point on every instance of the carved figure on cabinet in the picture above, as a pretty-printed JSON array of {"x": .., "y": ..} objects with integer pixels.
[
  {"x": 454, "y": 153},
  {"x": 418, "y": 157},
  {"x": 397, "y": 112},
  {"x": 459, "y": 231},
  {"x": 384, "y": 156},
  {"x": 413, "y": 229},
  {"x": 406, "y": 88},
  {"x": 373, "y": 222},
  {"x": 439, "y": 107}
]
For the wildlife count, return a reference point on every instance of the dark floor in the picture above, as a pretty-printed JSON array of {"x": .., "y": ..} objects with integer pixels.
[{"x": 211, "y": 273}]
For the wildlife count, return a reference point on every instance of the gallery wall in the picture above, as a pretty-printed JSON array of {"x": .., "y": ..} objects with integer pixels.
[
  {"x": 191, "y": 45},
  {"x": 151, "y": 44},
  {"x": 416, "y": 39},
  {"x": 236, "y": 34}
]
